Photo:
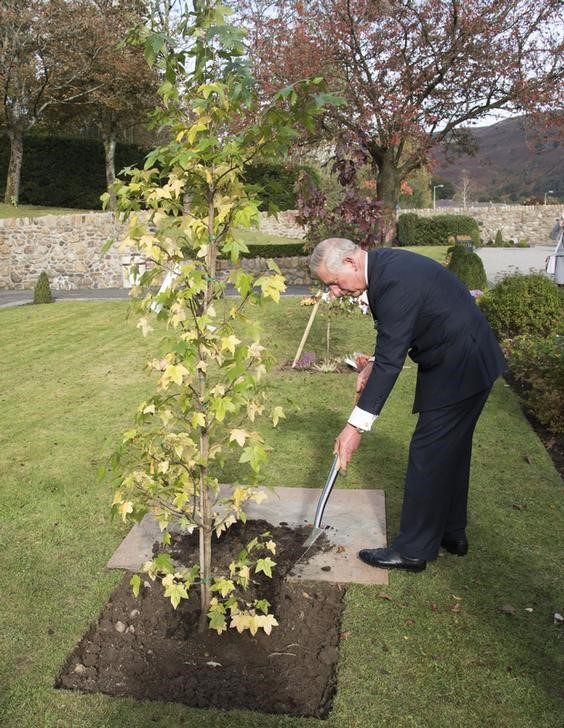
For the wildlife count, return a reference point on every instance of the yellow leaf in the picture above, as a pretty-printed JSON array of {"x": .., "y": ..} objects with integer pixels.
[
  {"x": 239, "y": 436},
  {"x": 202, "y": 365},
  {"x": 124, "y": 509},
  {"x": 163, "y": 467},
  {"x": 271, "y": 546},
  {"x": 277, "y": 414},
  {"x": 267, "y": 622},
  {"x": 229, "y": 343},
  {"x": 240, "y": 621},
  {"x": 255, "y": 350},
  {"x": 149, "y": 409},
  {"x": 144, "y": 325},
  {"x": 118, "y": 497},
  {"x": 259, "y": 496},
  {"x": 198, "y": 419}
]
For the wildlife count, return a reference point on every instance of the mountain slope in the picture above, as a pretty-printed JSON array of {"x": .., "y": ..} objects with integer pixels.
[{"x": 511, "y": 161}]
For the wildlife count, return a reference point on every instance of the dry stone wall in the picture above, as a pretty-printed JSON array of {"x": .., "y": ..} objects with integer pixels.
[
  {"x": 68, "y": 248},
  {"x": 516, "y": 222}
]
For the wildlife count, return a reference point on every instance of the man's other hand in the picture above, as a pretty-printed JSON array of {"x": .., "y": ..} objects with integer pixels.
[{"x": 346, "y": 443}]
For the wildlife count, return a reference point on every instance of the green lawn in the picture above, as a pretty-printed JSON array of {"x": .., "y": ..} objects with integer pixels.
[
  {"x": 430, "y": 650},
  {"x": 35, "y": 211}
]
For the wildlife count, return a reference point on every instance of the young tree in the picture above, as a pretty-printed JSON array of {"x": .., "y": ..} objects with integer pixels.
[
  {"x": 414, "y": 72},
  {"x": 46, "y": 49},
  {"x": 209, "y": 396}
]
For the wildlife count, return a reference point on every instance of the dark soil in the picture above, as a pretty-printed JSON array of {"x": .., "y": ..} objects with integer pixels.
[
  {"x": 553, "y": 441},
  {"x": 144, "y": 648}
]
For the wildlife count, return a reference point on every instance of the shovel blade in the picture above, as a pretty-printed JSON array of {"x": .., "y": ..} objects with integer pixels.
[{"x": 312, "y": 538}]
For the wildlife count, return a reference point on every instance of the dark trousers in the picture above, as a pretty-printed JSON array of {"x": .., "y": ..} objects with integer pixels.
[{"x": 436, "y": 484}]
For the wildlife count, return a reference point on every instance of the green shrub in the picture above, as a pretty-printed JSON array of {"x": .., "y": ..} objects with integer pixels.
[
  {"x": 407, "y": 228},
  {"x": 468, "y": 267},
  {"x": 42, "y": 291},
  {"x": 538, "y": 364},
  {"x": 523, "y": 304},
  {"x": 435, "y": 230}
]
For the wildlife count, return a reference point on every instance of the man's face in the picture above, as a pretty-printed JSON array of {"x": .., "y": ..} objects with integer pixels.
[{"x": 348, "y": 281}]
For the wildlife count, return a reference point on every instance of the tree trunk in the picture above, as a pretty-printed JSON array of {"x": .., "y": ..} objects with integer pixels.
[
  {"x": 205, "y": 531},
  {"x": 110, "y": 160},
  {"x": 388, "y": 191},
  {"x": 12, "y": 194}
]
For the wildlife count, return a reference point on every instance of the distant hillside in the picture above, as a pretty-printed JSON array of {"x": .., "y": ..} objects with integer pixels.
[{"x": 511, "y": 162}]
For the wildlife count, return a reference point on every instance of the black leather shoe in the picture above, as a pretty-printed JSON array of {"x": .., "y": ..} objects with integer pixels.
[
  {"x": 390, "y": 559},
  {"x": 458, "y": 546}
]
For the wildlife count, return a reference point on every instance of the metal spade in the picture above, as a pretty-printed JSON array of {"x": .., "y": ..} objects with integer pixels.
[{"x": 325, "y": 493}]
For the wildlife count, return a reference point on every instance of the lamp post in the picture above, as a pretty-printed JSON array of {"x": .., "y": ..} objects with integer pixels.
[
  {"x": 548, "y": 192},
  {"x": 435, "y": 188}
]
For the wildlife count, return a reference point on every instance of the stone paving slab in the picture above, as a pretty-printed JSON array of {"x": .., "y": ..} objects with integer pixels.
[{"x": 353, "y": 519}]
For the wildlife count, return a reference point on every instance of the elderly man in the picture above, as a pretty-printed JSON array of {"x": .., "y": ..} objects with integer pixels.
[{"x": 421, "y": 309}]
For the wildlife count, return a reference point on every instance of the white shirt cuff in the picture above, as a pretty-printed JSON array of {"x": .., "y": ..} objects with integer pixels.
[{"x": 362, "y": 419}]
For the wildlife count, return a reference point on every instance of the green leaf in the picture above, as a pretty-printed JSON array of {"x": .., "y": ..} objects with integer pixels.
[
  {"x": 265, "y": 565},
  {"x": 263, "y": 605},
  {"x": 135, "y": 583},
  {"x": 234, "y": 248},
  {"x": 163, "y": 562}
]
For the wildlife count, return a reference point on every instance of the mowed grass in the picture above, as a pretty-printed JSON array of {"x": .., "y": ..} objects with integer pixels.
[
  {"x": 429, "y": 650},
  {"x": 36, "y": 211}
]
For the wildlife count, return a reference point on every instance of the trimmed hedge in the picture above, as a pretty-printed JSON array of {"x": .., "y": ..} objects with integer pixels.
[
  {"x": 523, "y": 304},
  {"x": 468, "y": 267},
  {"x": 64, "y": 172},
  {"x": 281, "y": 250},
  {"x": 436, "y": 230},
  {"x": 274, "y": 183},
  {"x": 70, "y": 172}
]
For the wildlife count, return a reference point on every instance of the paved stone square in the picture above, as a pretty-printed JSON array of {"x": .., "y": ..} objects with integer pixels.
[{"x": 353, "y": 519}]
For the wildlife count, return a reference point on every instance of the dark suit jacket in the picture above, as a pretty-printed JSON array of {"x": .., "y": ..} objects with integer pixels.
[{"x": 420, "y": 308}]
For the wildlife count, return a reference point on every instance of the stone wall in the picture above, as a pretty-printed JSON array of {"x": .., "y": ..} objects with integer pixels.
[
  {"x": 516, "y": 222},
  {"x": 285, "y": 226},
  {"x": 68, "y": 248}
]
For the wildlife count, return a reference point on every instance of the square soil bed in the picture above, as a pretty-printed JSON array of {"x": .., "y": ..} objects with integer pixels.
[{"x": 142, "y": 647}]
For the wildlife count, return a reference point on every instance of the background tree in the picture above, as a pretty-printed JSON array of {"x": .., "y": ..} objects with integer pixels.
[
  {"x": 124, "y": 85},
  {"x": 414, "y": 72},
  {"x": 46, "y": 50},
  {"x": 464, "y": 188}
]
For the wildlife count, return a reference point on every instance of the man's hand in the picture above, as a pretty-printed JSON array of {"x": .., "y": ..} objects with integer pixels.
[
  {"x": 363, "y": 377},
  {"x": 346, "y": 443}
]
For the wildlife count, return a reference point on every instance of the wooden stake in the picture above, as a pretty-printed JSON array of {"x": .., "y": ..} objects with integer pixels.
[{"x": 306, "y": 334}]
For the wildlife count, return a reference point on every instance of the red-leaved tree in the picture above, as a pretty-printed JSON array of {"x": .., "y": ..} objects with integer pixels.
[{"x": 415, "y": 73}]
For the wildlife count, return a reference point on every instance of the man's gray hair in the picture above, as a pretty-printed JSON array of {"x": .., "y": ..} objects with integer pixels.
[{"x": 330, "y": 253}]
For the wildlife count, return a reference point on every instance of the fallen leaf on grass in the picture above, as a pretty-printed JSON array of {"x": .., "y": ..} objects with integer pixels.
[
  {"x": 458, "y": 599},
  {"x": 345, "y": 635},
  {"x": 387, "y": 597},
  {"x": 558, "y": 618},
  {"x": 410, "y": 621},
  {"x": 528, "y": 459},
  {"x": 434, "y": 607},
  {"x": 519, "y": 506},
  {"x": 507, "y": 609},
  {"x": 455, "y": 607}
]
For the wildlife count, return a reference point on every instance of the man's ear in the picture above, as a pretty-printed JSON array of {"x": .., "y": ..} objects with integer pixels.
[{"x": 351, "y": 260}]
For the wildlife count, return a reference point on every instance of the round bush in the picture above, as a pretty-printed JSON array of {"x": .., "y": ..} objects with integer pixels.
[
  {"x": 523, "y": 304},
  {"x": 468, "y": 267}
]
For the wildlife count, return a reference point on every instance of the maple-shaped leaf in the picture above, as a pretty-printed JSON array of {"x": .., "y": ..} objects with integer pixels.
[
  {"x": 265, "y": 565},
  {"x": 239, "y": 436},
  {"x": 267, "y": 622},
  {"x": 277, "y": 414}
]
